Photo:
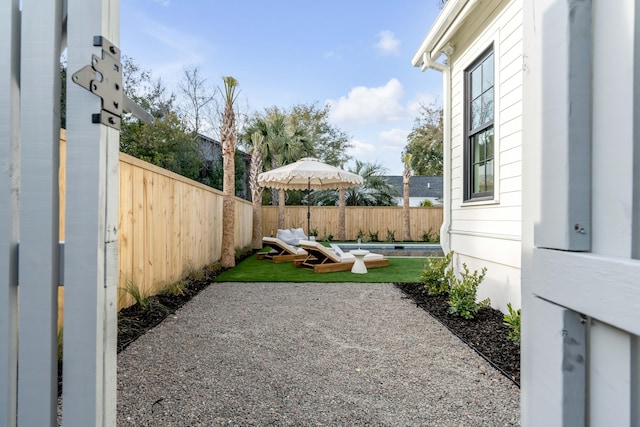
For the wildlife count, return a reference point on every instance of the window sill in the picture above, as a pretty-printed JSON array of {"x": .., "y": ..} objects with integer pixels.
[{"x": 480, "y": 202}]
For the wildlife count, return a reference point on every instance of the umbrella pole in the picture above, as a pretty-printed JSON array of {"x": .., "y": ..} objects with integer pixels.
[{"x": 309, "y": 208}]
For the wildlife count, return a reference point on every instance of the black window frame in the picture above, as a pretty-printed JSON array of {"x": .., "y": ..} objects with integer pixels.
[{"x": 471, "y": 133}]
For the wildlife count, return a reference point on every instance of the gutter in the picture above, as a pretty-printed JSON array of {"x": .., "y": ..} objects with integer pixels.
[{"x": 436, "y": 42}]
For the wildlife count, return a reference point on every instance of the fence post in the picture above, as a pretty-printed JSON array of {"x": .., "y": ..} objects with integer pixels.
[
  {"x": 91, "y": 245},
  {"x": 39, "y": 254},
  {"x": 9, "y": 207}
]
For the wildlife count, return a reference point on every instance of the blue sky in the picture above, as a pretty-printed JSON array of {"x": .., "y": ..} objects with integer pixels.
[{"x": 354, "y": 55}]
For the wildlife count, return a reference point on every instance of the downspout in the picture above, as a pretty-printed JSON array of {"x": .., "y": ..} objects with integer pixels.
[{"x": 445, "y": 69}]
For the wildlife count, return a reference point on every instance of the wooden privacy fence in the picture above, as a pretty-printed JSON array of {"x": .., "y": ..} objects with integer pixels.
[
  {"x": 366, "y": 218},
  {"x": 168, "y": 224}
]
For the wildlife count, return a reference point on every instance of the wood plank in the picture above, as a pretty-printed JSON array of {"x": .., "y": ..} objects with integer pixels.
[{"x": 38, "y": 261}]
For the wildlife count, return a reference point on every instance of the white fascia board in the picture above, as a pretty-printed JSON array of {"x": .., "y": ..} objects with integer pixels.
[{"x": 445, "y": 22}]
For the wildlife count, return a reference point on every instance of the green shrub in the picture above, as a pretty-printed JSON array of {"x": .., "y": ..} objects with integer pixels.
[
  {"x": 242, "y": 253},
  {"x": 313, "y": 232},
  {"x": 437, "y": 275},
  {"x": 360, "y": 234},
  {"x": 132, "y": 288},
  {"x": 512, "y": 321},
  {"x": 426, "y": 203},
  {"x": 391, "y": 235},
  {"x": 176, "y": 288},
  {"x": 430, "y": 236},
  {"x": 462, "y": 295},
  {"x": 373, "y": 236}
]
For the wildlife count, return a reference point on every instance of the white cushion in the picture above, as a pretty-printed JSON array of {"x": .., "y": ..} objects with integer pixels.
[
  {"x": 287, "y": 237},
  {"x": 298, "y": 233}
]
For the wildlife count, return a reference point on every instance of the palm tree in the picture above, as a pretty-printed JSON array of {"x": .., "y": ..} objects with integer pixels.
[
  {"x": 406, "y": 214},
  {"x": 284, "y": 143},
  {"x": 256, "y": 190},
  {"x": 228, "y": 139},
  {"x": 375, "y": 191}
]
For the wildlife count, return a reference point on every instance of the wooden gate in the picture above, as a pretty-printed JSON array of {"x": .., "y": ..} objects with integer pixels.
[
  {"x": 33, "y": 34},
  {"x": 581, "y": 225}
]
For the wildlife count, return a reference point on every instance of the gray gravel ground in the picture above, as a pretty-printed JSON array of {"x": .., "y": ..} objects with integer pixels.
[{"x": 308, "y": 354}]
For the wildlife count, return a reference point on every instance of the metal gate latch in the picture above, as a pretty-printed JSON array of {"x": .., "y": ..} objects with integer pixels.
[{"x": 104, "y": 78}]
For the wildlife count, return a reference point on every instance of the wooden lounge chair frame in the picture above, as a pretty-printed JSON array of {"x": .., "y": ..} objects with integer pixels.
[
  {"x": 321, "y": 259},
  {"x": 280, "y": 251}
]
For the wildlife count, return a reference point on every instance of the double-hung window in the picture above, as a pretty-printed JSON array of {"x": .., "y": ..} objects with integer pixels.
[{"x": 479, "y": 146}]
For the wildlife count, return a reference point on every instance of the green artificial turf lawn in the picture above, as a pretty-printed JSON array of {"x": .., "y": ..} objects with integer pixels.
[{"x": 400, "y": 270}]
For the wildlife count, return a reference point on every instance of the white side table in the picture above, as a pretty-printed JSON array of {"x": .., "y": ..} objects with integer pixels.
[{"x": 358, "y": 265}]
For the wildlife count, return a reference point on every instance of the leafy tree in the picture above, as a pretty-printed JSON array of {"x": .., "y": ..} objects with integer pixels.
[
  {"x": 375, "y": 190},
  {"x": 228, "y": 137},
  {"x": 283, "y": 143},
  {"x": 167, "y": 142},
  {"x": 139, "y": 86},
  {"x": 425, "y": 141},
  {"x": 326, "y": 142}
]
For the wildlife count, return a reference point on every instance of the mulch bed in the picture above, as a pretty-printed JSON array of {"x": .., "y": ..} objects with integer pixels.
[{"x": 486, "y": 333}]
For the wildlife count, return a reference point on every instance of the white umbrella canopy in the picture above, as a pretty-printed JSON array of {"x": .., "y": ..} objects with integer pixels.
[{"x": 306, "y": 174}]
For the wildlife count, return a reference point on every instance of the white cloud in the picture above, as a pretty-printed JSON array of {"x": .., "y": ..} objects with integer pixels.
[
  {"x": 384, "y": 148},
  {"x": 388, "y": 44},
  {"x": 369, "y": 104},
  {"x": 394, "y": 138}
]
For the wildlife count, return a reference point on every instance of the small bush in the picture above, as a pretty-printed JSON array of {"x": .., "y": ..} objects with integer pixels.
[
  {"x": 360, "y": 234},
  {"x": 426, "y": 203},
  {"x": 430, "y": 236},
  {"x": 512, "y": 321},
  {"x": 462, "y": 295},
  {"x": 391, "y": 235},
  {"x": 437, "y": 275},
  {"x": 132, "y": 288},
  {"x": 373, "y": 236},
  {"x": 242, "y": 253},
  {"x": 313, "y": 232},
  {"x": 177, "y": 288}
]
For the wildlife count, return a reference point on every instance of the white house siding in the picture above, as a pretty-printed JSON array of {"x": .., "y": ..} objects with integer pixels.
[{"x": 488, "y": 234}]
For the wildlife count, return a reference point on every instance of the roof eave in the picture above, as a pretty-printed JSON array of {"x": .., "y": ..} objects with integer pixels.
[{"x": 444, "y": 26}]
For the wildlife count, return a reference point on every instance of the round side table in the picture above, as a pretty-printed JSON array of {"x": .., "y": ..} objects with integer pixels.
[{"x": 358, "y": 266}]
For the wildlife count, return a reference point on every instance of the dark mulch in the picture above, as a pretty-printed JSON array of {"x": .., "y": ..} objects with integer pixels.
[
  {"x": 134, "y": 321},
  {"x": 486, "y": 333}
]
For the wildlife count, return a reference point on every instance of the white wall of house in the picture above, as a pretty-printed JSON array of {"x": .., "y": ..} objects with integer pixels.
[{"x": 487, "y": 233}]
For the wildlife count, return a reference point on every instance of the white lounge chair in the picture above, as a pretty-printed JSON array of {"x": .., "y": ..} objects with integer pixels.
[
  {"x": 280, "y": 251},
  {"x": 321, "y": 259}
]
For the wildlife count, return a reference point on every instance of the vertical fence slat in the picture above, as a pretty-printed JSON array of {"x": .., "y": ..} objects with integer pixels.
[
  {"x": 9, "y": 207},
  {"x": 39, "y": 205},
  {"x": 366, "y": 218},
  {"x": 91, "y": 265}
]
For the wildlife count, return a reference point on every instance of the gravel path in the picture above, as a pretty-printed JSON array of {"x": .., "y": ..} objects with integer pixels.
[{"x": 307, "y": 354}]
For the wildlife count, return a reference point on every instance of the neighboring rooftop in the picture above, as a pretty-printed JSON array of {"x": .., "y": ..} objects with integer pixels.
[{"x": 419, "y": 186}]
